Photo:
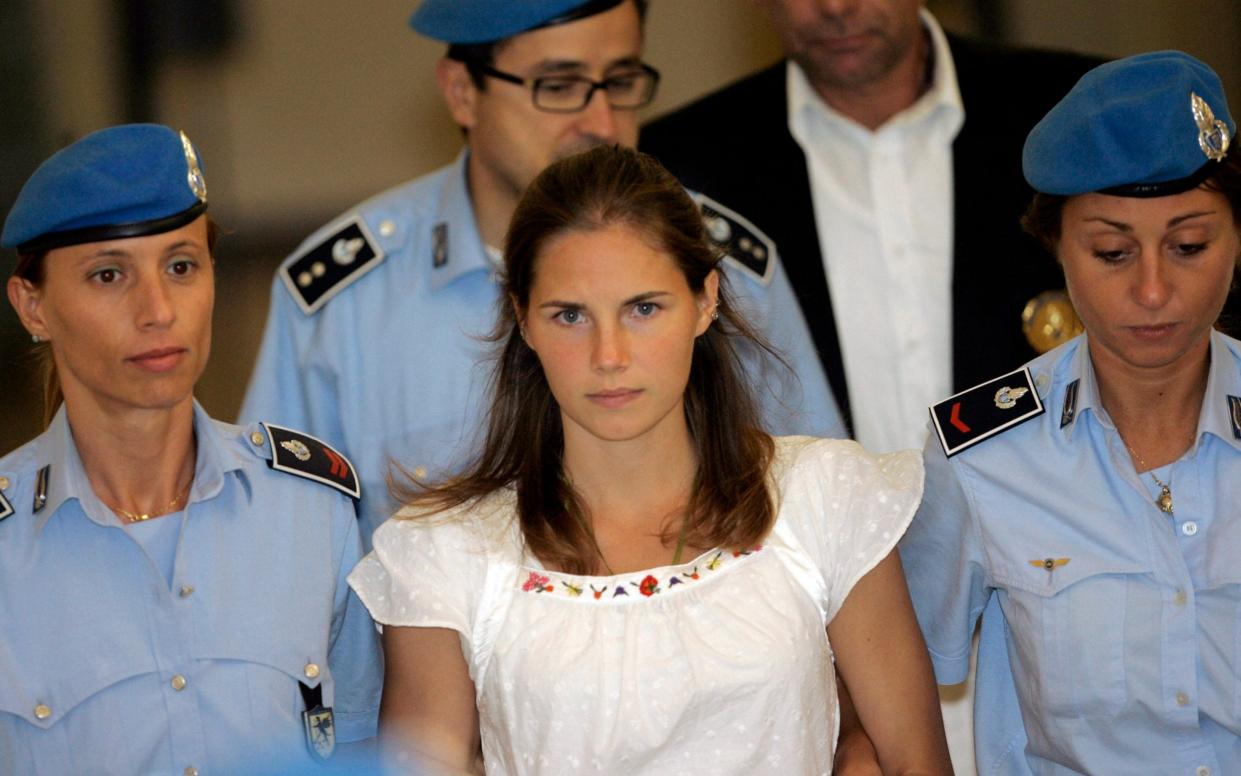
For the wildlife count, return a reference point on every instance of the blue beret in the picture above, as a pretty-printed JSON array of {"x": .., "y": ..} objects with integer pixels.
[
  {"x": 1144, "y": 126},
  {"x": 125, "y": 181},
  {"x": 484, "y": 21}
]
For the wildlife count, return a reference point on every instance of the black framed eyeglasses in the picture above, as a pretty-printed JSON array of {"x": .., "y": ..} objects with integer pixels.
[{"x": 627, "y": 89}]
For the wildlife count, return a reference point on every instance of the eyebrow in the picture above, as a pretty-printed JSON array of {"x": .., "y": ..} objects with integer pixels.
[
  {"x": 638, "y": 299},
  {"x": 575, "y": 66},
  {"x": 1176, "y": 221}
]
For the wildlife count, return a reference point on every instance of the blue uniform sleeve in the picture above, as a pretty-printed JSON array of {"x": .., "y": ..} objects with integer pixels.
[
  {"x": 794, "y": 401},
  {"x": 942, "y": 556},
  {"x": 291, "y": 385},
  {"x": 354, "y": 654}
]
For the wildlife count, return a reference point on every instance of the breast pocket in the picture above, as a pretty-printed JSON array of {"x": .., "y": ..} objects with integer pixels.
[{"x": 1067, "y": 619}]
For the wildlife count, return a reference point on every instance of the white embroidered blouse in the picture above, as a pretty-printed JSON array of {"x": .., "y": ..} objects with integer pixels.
[{"x": 716, "y": 666}]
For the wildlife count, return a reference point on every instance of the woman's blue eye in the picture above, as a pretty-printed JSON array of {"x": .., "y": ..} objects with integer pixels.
[
  {"x": 570, "y": 316},
  {"x": 645, "y": 308}
]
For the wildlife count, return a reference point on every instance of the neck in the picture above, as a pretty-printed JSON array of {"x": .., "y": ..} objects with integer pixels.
[
  {"x": 494, "y": 202},
  {"x": 638, "y": 482},
  {"x": 137, "y": 460},
  {"x": 1155, "y": 410},
  {"x": 873, "y": 103}
]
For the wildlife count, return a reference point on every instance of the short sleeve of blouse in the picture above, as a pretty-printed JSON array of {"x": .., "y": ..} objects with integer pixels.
[
  {"x": 423, "y": 572},
  {"x": 847, "y": 507}
]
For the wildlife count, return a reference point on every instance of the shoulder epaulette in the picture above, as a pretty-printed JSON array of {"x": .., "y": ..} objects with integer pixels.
[
  {"x": 305, "y": 456},
  {"x": 746, "y": 247},
  {"x": 985, "y": 410},
  {"x": 323, "y": 270}
]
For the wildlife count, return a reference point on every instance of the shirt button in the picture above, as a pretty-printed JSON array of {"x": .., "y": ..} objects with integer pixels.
[
  {"x": 42, "y": 712},
  {"x": 256, "y": 439},
  {"x": 4, "y": 483},
  {"x": 311, "y": 670},
  {"x": 386, "y": 228},
  {"x": 1180, "y": 598},
  {"x": 1189, "y": 528},
  {"x": 1182, "y": 699},
  {"x": 1203, "y": 770},
  {"x": 186, "y": 591},
  {"x": 190, "y": 771},
  {"x": 178, "y": 682}
]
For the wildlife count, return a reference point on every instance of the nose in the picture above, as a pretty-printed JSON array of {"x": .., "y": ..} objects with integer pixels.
[
  {"x": 1152, "y": 286},
  {"x": 598, "y": 119},
  {"x": 155, "y": 304},
  {"x": 611, "y": 349}
]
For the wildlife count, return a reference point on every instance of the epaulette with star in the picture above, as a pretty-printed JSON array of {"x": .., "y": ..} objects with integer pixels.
[
  {"x": 323, "y": 270},
  {"x": 305, "y": 456},
  {"x": 985, "y": 410},
  {"x": 745, "y": 246}
]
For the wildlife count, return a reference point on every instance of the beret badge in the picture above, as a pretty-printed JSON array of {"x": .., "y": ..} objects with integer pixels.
[
  {"x": 1212, "y": 133},
  {"x": 198, "y": 183}
]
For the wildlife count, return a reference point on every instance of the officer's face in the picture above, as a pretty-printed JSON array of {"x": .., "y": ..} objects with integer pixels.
[
  {"x": 846, "y": 44},
  {"x": 1148, "y": 277},
  {"x": 129, "y": 321},
  {"x": 613, "y": 322},
  {"x": 511, "y": 141}
]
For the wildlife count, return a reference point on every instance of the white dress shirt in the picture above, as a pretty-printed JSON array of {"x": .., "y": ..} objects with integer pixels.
[{"x": 883, "y": 208}]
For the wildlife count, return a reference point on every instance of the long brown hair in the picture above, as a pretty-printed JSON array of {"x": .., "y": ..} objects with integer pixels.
[
  {"x": 730, "y": 505},
  {"x": 31, "y": 267}
]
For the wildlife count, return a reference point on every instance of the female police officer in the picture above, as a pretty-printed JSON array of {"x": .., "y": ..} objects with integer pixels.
[
  {"x": 171, "y": 588},
  {"x": 1099, "y": 540}
]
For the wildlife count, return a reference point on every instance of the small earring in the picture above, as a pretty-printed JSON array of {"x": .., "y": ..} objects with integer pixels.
[
  {"x": 715, "y": 313},
  {"x": 35, "y": 338}
]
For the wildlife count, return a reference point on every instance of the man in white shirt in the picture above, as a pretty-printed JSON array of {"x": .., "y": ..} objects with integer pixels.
[{"x": 883, "y": 158}]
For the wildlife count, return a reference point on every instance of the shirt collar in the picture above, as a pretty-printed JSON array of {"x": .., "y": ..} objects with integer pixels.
[
  {"x": 942, "y": 99},
  {"x": 457, "y": 229},
  {"x": 1215, "y": 418},
  {"x": 67, "y": 477}
]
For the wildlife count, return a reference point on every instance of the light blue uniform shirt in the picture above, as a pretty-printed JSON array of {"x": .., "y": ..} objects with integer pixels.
[
  {"x": 1123, "y": 657},
  {"x": 94, "y": 641},
  {"x": 390, "y": 365}
]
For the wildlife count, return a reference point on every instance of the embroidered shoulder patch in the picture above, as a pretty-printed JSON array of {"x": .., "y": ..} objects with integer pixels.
[
  {"x": 746, "y": 246},
  {"x": 985, "y": 410},
  {"x": 324, "y": 270},
  {"x": 314, "y": 459}
]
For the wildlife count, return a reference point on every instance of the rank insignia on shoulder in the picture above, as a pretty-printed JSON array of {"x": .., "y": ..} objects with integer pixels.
[
  {"x": 306, "y": 456},
  {"x": 985, "y": 410},
  {"x": 6, "y": 508},
  {"x": 321, "y": 272},
  {"x": 745, "y": 245},
  {"x": 319, "y": 723}
]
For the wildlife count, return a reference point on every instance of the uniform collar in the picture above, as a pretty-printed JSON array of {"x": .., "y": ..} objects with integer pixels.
[
  {"x": 1223, "y": 382},
  {"x": 66, "y": 478},
  {"x": 454, "y": 230},
  {"x": 943, "y": 98}
]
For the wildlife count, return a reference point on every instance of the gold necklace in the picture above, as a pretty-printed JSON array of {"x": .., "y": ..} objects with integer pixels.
[
  {"x": 132, "y": 517},
  {"x": 1164, "y": 499}
]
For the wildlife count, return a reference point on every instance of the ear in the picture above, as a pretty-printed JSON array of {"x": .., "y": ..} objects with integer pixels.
[
  {"x": 27, "y": 301},
  {"x": 459, "y": 92},
  {"x": 708, "y": 302},
  {"x": 519, "y": 315}
]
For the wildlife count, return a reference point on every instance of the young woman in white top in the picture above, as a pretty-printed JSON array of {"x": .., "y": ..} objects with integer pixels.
[{"x": 634, "y": 577}]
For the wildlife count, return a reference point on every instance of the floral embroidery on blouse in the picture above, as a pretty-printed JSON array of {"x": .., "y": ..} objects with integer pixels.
[{"x": 649, "y": 585}]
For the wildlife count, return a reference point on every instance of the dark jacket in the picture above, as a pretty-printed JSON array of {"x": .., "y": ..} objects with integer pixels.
[{"x": 734, "y": 145}]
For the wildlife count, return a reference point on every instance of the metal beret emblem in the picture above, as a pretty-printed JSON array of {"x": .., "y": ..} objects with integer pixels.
[
  {"x": 1212, "y": 133},
  {"x": 198, "y": 183},
  {"x": 299, "y": 449}
]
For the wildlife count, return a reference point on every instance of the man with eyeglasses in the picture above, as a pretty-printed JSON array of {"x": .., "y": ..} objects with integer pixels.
[{"x": 376, "y": 336}]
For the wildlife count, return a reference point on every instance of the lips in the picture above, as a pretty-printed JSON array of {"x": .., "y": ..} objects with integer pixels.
[
  {"x": 159, "y": 359},
  {"x": 1154, "y": 331},
  {"x": 614, "y": 398}
]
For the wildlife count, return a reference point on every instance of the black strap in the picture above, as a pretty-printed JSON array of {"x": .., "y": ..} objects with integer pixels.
[{"x": 313, "y": 696}]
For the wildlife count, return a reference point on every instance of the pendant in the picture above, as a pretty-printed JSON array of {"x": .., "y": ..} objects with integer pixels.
[{"x": 1164, "y": 502}]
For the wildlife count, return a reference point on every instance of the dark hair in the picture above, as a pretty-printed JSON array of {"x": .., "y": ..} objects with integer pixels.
[
  {"x": 31, "y": 268},
  {"x": 1042, "y": 218},
  {"x": 730, "y": 505},
  {"x": 476, "y": 56}
]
